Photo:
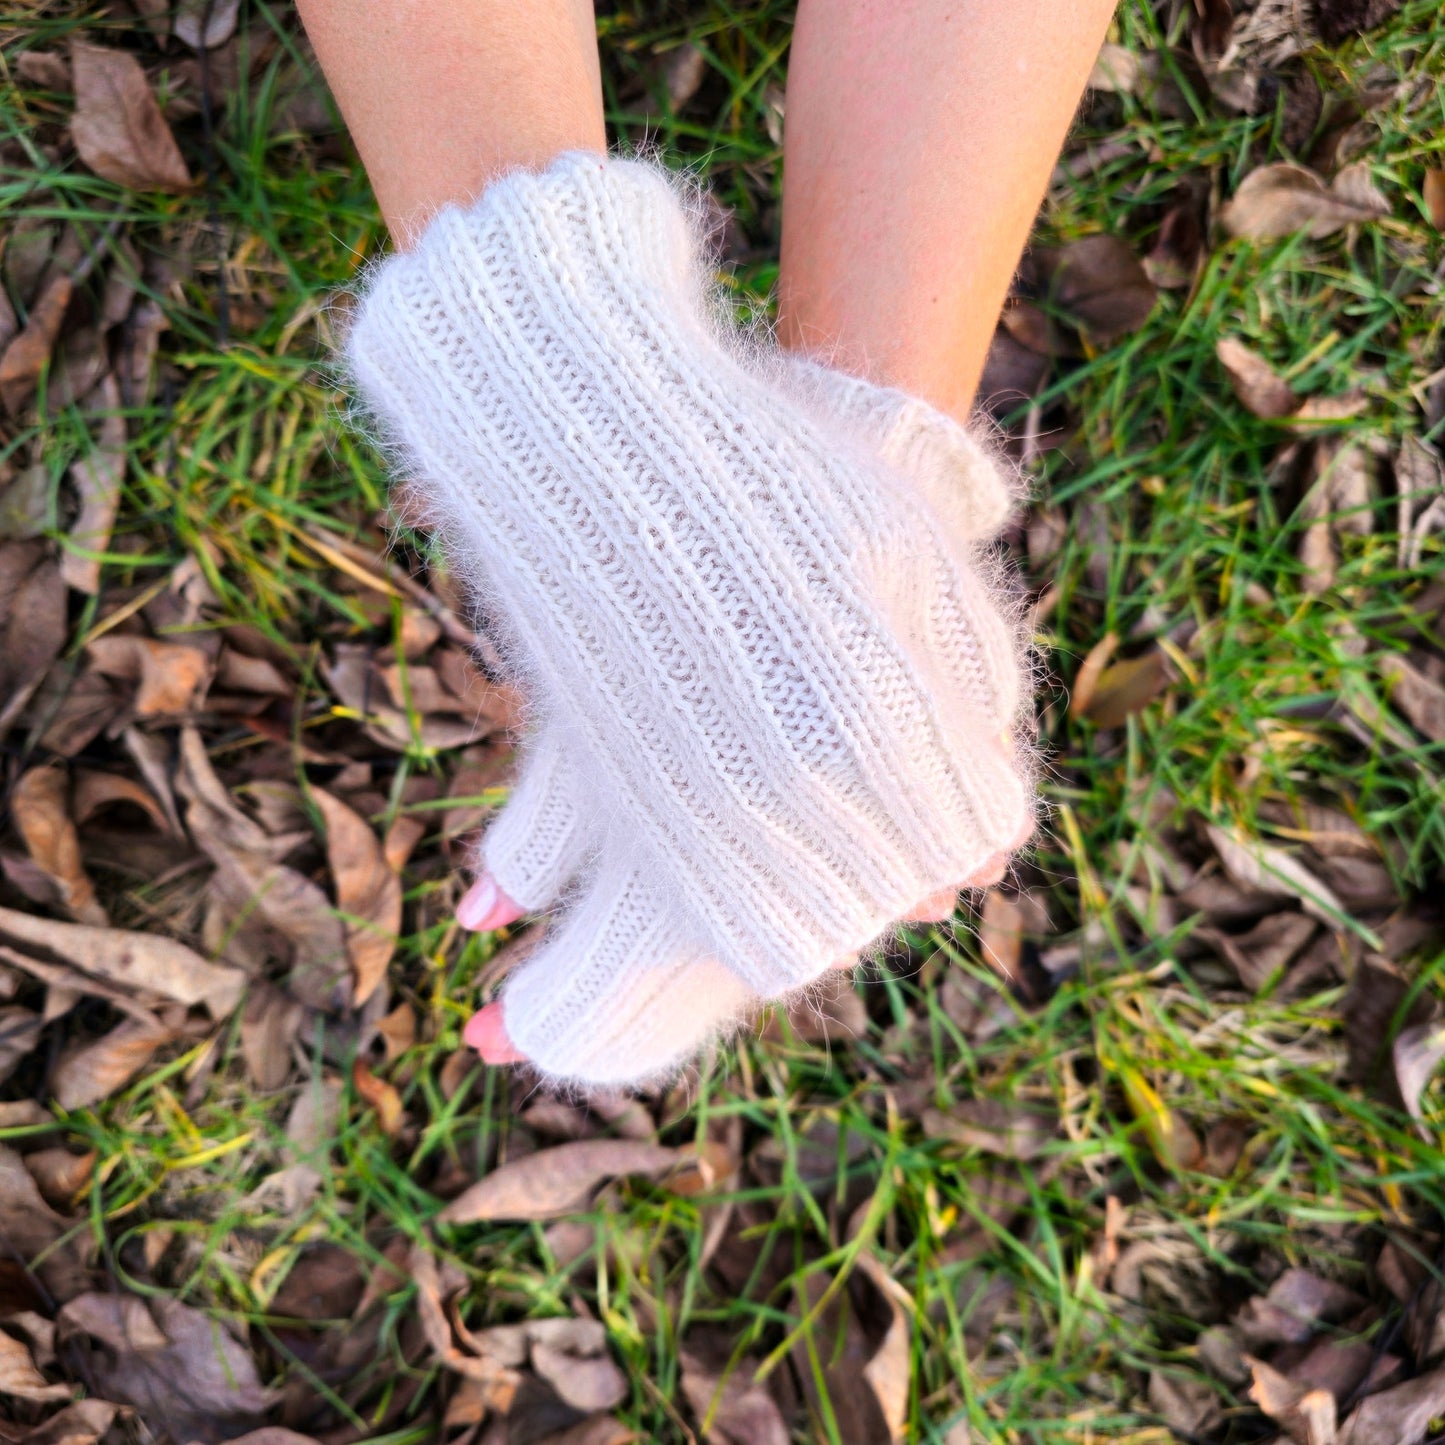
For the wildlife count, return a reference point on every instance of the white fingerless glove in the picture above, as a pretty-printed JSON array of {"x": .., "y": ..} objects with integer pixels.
[{"x": 769, "y": 687}]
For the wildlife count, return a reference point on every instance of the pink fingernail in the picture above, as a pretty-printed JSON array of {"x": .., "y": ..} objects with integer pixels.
[
  {"x": 485, "y": 907},
  {"x": 487, "y": 1034}
]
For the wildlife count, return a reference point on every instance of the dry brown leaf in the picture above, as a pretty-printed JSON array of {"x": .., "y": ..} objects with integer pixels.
[
  {"x": 269, "y": 1028},
  {"x": 1258, "y": 954},
  {"x": 265, "y": 910},
  {"x": 1417, "y": 1052},
  {"x": 1098, "y": 281},
  {"x": 205, "y": 24},
  {"x": 118, "y": 128},
  {"x": 19, "y": 1033},
  {"x": 97, "y": 478},
  {"x": 169, "y": 1360},
  {"x": 378, "y": 1095},
  {"x": 1297, "y": 1304},
  {"x": 31, "y": 1228},
  {"x": 1259, "y": 866},
  {"x": 91, "y": 1072},
  {"x": 368, "y": 893},
  {"x": 1278, "y": 199},
  {"x": 731, "y": 1408},
  {"x": 20, "y": 1379},
  {"x": 171, "y": 676},
  {"x": 326, "y": 1283},
  {"x": 133, "y": 960},
  {"x": 28, "y": 354},
  {"x": 571, "y": 1355},
  {"x": 82, "y": 1423},
  {"x": 1400, "y": 1416},
  {"x": 1128, "y": 686},
  {"x": 273, "y": 1435},
  {"x": 39, "y": 808},
  {"x": 397, "y": 1031},
  {"x": 1415, "y": 694},
  {"x": 1087, "y": 677},
  {"x": 1187, "y": 1404},
  {"x": 61, "y": 1175},
  {"x": 33, "y": 624},
  {"x": 1434, "y": 194},
  {"x": 95, "y": 790},
  {"x": 1256, "y": 383},
  {"x": 555, "y": 1181},
  {"x": 495, "y": 1372},
  {"x": 1009, "y": 1129},
  {"x": 888, "y": 1372},
  {"x": 1001, "y": 927}
]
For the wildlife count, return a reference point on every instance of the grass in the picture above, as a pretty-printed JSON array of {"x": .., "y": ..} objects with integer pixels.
[{"x": 1173, "y": 522}]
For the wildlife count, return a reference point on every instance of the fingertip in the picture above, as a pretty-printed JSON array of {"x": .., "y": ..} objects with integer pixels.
[
  {"x": 484, "y": 907},
  {"x": 487, "y": 1034}
]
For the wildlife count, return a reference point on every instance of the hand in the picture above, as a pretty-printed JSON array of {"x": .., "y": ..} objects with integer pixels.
[{"x": 779, "y": 679}]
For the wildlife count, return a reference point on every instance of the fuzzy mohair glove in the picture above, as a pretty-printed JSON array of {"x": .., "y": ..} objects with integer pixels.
[{"x": 770, "y": 676}]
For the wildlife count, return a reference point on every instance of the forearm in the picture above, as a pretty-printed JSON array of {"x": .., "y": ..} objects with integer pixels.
[
  {"x": 920, "y": 138},
  {"x": 441, "y": 98}
]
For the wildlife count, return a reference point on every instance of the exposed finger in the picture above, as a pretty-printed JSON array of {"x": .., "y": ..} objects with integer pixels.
[
  {"x": 485, "y": 907},
  {"x": 487, "y": 1034}
]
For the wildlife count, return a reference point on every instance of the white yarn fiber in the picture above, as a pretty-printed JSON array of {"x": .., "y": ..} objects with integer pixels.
[{"x": 745, "y": 597}]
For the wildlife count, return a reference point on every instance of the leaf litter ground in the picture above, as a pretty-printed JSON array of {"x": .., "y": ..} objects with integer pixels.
[{"x": 1146, "y": 1146}]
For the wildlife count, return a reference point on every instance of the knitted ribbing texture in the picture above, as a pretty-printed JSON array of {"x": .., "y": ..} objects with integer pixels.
[{"x": 765, "y": 653}]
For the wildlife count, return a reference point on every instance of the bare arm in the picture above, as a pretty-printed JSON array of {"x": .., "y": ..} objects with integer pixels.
[
  {"x": 439, "y": 98},
  {"x": 920, "y": 136}
]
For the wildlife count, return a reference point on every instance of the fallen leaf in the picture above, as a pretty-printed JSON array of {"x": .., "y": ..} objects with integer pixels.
[
  {"x": 1278, "y": 199},
  {"x": 82, "y": 1423},
  {"x": 38, "y": 806},
  {"x": 1259, "y": 866},
  {"x": 326, "y": 1283},
  {"x": 1417, "y": 1052},
  {"x": 1009, "y": 1129},
  {"x": 555, "y": 1181},
  {"x": 397, "y": 1031},
  {"x": 45, "y": 69},
  {"x": 205, "y": 24},
  {"x": 1087, "y": 677},
  {"x": 19, "y": 1377},
  {"x": 1256, "y": 383},
  {"x": 33, "y": 1231},
  {"x": 1260, "y": 953},
  {"x": 368, "y": 894},
  {"x": 1415, "y": 694},
  {"x": 61, "y": 1175},
  {"x": 1100, "y": 284},
  {"x": 1400, "y": 1416},
  {"x": 494, "y": 1371},
  {"x": 33, "y": 623},
  {"x": 1001, "y": 926},
  {"x": 1297, "y": 1304},
  {"x": 118, "y": 128},
  {"x": 97, "y": 478},
  {"x": 269, "y": 1026},
  {"x": 731, "y": 1408},
  {"x": 171, "y": 676},
  {"x": 888, "y": 1372},
  {"x": 1434, "y": 195},
  {"x": 378, "y": 1095},
  {"x": 146, "y": 961},
  {"x": 94, "y": 791},
  {"x": 169, "y": 1360},
  {"x": 19, "y": 1033},
  {"x": 1129, "y": 686},
  {"x": 28, "y": 354},
  {"x": 1186, "y": 1403},
  {"x": 91, "y": 1072},
  {"x": 571, "y": 1355}
]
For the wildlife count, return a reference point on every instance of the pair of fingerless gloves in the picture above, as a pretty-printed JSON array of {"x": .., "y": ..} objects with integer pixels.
[{"x": 771, "y": 675}]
